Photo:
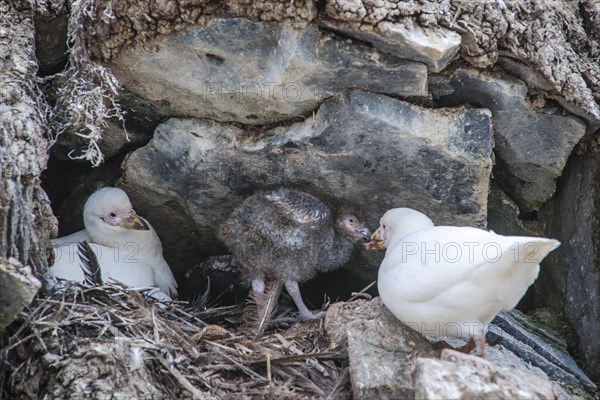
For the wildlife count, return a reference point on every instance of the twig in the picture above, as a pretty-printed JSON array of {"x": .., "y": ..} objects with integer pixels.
[
  {"x": 339, "y": 384},
  {"x": 363, "y": 290},
  {"x": 184, "y": 382}
]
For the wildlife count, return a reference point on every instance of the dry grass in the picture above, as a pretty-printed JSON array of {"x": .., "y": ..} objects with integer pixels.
[{"x": 187, "y": 352}]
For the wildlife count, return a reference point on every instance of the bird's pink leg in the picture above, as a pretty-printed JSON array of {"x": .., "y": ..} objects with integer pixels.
[
  {"x": 479, "y": 345},
  {"x": 305, "y": 313},
  {"x": 258, "y": 285}
]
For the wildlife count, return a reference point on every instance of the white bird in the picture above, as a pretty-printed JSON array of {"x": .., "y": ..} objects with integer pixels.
[
  {"x": 127, "y": 247},
  {"x": 452, "y": 281}
]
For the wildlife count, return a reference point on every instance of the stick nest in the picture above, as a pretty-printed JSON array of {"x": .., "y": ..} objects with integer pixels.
[{"x": 112, "y": 342}]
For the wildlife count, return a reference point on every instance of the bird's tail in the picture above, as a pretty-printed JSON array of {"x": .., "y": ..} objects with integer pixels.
[{"x": 260, "y": 307}]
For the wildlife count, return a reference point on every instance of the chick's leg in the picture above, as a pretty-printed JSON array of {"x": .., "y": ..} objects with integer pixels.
[{"x": 305, "y": 313}]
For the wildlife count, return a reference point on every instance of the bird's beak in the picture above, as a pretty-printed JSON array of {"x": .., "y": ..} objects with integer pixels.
[
  {"x": 376, "y": 242},
  {"x": 364, "y": 232},
  {"x": 135, "y": 222}
]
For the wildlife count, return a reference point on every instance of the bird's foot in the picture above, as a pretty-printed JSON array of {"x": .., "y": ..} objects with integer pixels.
[
  {"x": 283, "y": 322},
  {"x": 311, "y": 315},
  {"x": 467, "y": 348}
]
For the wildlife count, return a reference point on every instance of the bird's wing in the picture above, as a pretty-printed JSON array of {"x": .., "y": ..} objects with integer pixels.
[
  {"x": 67, "y": 266},
  {"x": 463, "y": 266},
  {"x": 299, "y": 207},
  {"x": 71, "y": 239}
]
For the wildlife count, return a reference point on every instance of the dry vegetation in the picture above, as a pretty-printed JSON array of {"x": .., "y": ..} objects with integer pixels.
[{"x": 70, "y": 347}]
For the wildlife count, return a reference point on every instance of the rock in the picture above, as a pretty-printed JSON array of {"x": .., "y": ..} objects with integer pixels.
[
  {"x": 538, "y": 347},
  {"x": 503, "y": 215},
  {"x": 51, "y": 48},
  {"x": 458, "y": 375},
  {"x": 381, "y": 350},
  {"x": 383, "y": 353},
  {"x": 115, "y": 141},
  {"x": 434, "y": 46},
  {"x": 535, "y": 79},
  {"x": 18, "y": 287},
  {"x": 193, "y": 173},
  {"x": 531, "y": 147},
  {"x": 569, "y": 282},
  {"x": 257, "y": 72}
]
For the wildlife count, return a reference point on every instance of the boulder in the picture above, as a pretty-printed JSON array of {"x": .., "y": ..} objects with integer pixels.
[
  {"x": 435, "y": 46},
  {"x": 115, "y": 141},
  {"x": 51, "y": 48},
  {"x": 381, "y": 350},
  {"x": 362, "y": 149},
  {"x": 537, "y": 82},
  {"x": 18, "y": 287},
  {"x": 388, "y": 359},
  {"x": 540, "y": 347},
  {"x": 257, "y": 72},
  {"x": 457, "y": 376},
  {"x": 532, "y": 144},
  {"x": 569, "y": 282},
  {"x": 504, "y": 215}
]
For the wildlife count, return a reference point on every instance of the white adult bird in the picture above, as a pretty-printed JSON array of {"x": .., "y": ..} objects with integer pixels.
[
  {"x": 452, "y": 281},
  {"x": 127, "y": 247}
]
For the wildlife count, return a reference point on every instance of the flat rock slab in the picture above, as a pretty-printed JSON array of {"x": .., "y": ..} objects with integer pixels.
[
  {"x": 460, "y": 376},
  {"x": 258, "y": 72},
  {"x": 18, "y": 287},
  {"x": 569, "y": 282},
  {"x": 532, "y": 147},
  {"x": 382, "y": 351},
  {"x": 435, "y": 46},
  {"x": 361, "y": 149}
]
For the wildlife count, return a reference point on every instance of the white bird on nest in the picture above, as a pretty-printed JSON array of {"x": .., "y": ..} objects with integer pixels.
[
  {"x": 126, "y": 246},
  {"x": 452, "y": 281}
]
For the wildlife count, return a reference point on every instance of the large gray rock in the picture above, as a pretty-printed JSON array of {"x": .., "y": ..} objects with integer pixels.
[
  {"x": 258, "y": 72},
  {"x": 536, "y": 81},
  {"x": 381, "y": 350},
  {"x": 361, "y": 149},
  {"x": 434, "y": 46},
  {"x": 538, "y": 347},
  {"x": 457, "y": 376},
  {"x": 532, "y": 146},
  {"x": 383, "y": 353},
  {"x": 569, "y": 283},
  {"x": 115, "y": 141},
  {"x": 18, "y": 287}
]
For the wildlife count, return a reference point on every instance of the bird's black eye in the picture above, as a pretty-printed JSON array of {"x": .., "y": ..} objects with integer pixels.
[
  {"x": 351, "y": 220},
  {"x": 113, "y": 215},
  {"x": 383, "y": 226}
]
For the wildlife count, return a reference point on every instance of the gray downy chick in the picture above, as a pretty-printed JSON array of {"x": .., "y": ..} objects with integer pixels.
[{"x": 284, "y": 237}]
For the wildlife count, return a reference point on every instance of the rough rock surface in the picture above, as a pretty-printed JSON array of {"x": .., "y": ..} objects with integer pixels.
[
  {"x": 116, "y": 26},
  {"x": 18, "y": 287},
  {"x": 504, "y": 215},
  {"x": 548, "y": 36},
  {"x": 88, "y": 372},
  {"x": 435, "y": 46},
  {"x": 381, "y": 350},
  {"x": 538, "y": 347},
  {"x": 191, "y": 175},
  {"x": 26, "y": 220},
  {"x": 532, "y": 146},
  {"x": 383, "y": 353},
  {"x": 256, "y": 73},
  {"x": 458, "y": 375},
  {"x": 115, "y": 141},
  {"x": 51, "y": 48},
  {"x": 569, "y": 283}
]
